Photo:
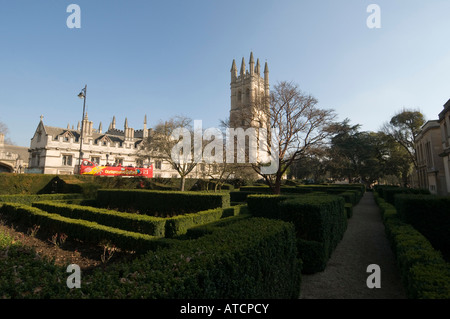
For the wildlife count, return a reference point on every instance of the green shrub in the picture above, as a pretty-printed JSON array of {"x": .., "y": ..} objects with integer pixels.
[
  {"x": 320, "y": 222},
  {"x": 348, "y": 210},
  {"x": 350, "y": 197},
  {"x": 161, "y": 202},
  {"x": 24, "y": 183},
  {"x": 149, "y": 225},
  {"x": 231, "y": 262},
  {"x": 430, "y": 215},
  {"x": 28, "y": 199},
  {"x": 265, "y": 205},
  {"x": 26, "y": 274},
  {"x": 424, "y": 272},
  {"x": 179, "y": 225},
  {"x": 77, "y": 228},
  {"x": 389, "y": 193},
  {"x": 239, "y": 196}
]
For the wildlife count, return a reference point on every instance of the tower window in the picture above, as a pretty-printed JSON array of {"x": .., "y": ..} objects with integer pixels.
[{"x": 239, "y": 96}]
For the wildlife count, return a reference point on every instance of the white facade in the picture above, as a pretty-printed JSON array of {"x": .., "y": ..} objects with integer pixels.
[{"x": 55, "y": 150}]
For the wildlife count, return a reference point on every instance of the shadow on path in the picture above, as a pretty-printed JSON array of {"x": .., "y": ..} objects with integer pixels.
[{"x": 364, "y": 243}]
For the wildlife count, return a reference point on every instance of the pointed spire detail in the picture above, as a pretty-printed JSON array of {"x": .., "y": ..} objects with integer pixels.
[
  {"x": 252, "y": 63},
  {"x": 242, "y": 67},
  {"x": 126, "y": 123},
  {"x": 100, "y": 128},
  {"x": 233, "y": 67},
  {"x": 266, "y": 68},
  {"x": 145, "y": 119},
  {"x": 257, "y": 67}
]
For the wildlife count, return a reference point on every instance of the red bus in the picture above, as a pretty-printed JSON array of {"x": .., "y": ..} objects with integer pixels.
[{"x": 90, "y": 168}]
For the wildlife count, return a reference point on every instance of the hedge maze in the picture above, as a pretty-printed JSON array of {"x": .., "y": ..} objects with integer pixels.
[
  {"x": 417, "y": 226},
  {"x": 232, "y": 244}
]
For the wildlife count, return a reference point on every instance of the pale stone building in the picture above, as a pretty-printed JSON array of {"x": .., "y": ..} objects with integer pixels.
[
  {"x": 56, "y": 150},
  {"x": 13, "y": 159},
  {"x": 430, "y": 171},
  {"x": 249, "y": 95}
]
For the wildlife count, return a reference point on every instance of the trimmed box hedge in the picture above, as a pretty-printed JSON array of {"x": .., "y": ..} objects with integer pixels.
[
  {"x": 161, "y": 202},
  {"x": 77, "y": 228},
  {"x": 154, "y": 226},
  {"x": 229, "y": 263},
  {"x": 320, "y": 222},
  {"x": 424, "y": 272},
  {"x": 28, "y": 199},
  {"x": 389, "y": 193},
  {"x": 430, "y": 215},
  {"x": 265, "y": 205}
]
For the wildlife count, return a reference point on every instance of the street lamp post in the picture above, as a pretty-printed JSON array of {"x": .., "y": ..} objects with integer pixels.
[{"x": 82, "y": 95}]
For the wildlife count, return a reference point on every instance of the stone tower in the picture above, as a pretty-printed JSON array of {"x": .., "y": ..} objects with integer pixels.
[{"x": 249, "y": 95}]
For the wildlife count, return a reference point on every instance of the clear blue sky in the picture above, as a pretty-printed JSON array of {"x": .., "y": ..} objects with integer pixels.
[{"x": 165, "y": 58}]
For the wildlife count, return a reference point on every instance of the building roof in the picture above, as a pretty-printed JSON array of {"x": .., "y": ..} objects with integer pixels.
[
  {"x": 19, "y": 150},
  {"x": 444, "y": 111}
]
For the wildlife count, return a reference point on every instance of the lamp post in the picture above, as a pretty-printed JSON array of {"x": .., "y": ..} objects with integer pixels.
[{"x": 82, "y": 95}]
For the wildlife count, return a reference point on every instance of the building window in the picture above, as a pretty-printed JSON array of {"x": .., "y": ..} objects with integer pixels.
[
  {"x": 158, "y": 164},
  {"x": 66, "y": 160},
  {"x": 95, "y": 159}
]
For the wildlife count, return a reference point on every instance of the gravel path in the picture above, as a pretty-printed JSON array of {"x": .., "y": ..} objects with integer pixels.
[{"x": 364, "y": 243}]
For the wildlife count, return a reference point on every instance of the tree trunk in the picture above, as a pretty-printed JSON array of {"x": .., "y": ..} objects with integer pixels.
[
  {"x": 277, "y": 185},
  {"x": 183, "y": 182}
]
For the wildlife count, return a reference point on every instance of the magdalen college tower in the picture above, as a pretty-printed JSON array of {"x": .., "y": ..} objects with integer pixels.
[{"x": 249, "y": 95}]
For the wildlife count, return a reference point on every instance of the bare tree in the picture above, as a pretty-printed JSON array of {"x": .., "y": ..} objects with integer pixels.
[
  {"x": 297, "y": 128},
  {"x": 4, "y": 130},
  {"x": 164, "y": 140}
]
